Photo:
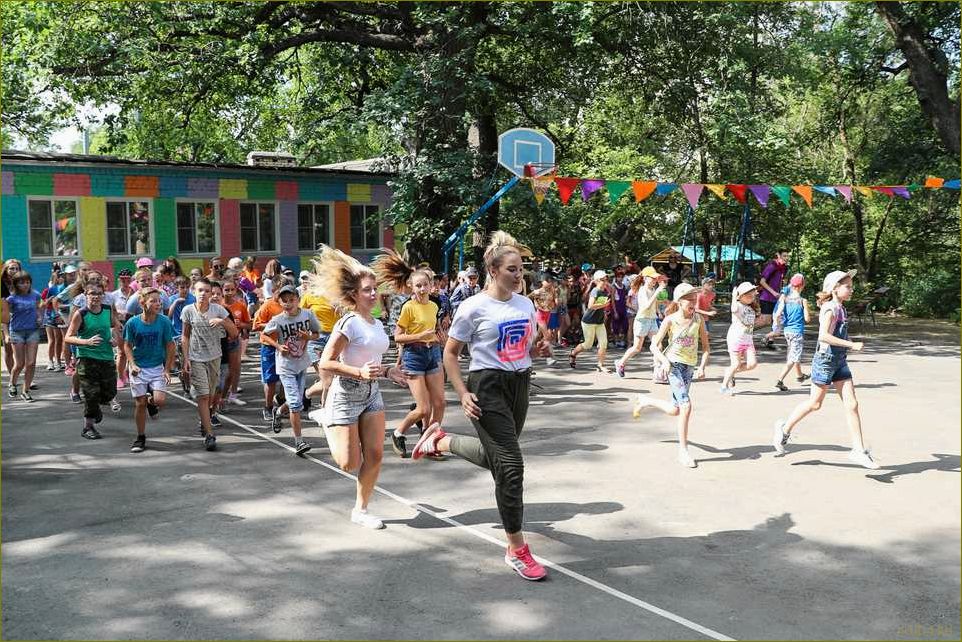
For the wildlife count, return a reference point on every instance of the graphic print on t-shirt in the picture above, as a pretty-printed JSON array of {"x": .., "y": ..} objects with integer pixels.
[
  {"x": 296, "y": 347},
  {"x": 513, "y": 340}
]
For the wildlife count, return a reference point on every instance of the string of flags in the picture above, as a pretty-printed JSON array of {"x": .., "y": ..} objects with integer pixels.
[{"x": 641, "y": 190}]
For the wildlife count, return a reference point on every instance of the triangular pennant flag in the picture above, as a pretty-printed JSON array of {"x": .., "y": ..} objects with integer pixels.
[
  {"x": 589, "y": 186},
  {"x": 881, "y": 189},
  {"x": 738, "y": 191},
  {"x": 643, "y": 189},
  {"x": 805, "y": 191},
  {"x": 913, "y": 187},
  {"x": 783, "y": 192},
  {"x": 692, "y": 193},
  {"x": 566, "y": 187},
  {"x": 665, "y": 188},
  {"x": 901, "y": 190},
  {"x": 864, "y": 191},
  {"x": 825, "y": 189},
  {"x": 717, "y": 189},
  {"x": 934, "y": 182},
  {"x": 540, "y": 186},
  {"x": 951, "y": 184},
  {"x": 616, "y": 189},
  {"x": 761, "y": 193},
  {"x": 846, "y": 191}
]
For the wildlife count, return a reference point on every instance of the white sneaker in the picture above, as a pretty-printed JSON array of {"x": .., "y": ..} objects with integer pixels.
[
  {"x": 235, "y": 400},
  {"x": 779, "y": 438},
  {"x": 641, "y": 404},
  {"x": 366, "y": 520},
  {"x": 51, "y": 367},
  {"x": 863, "y": 458},
  {"x": 115, "y": 405},
  {"x": 550, "y": 361},
  {"x": 685, "y": 459}
]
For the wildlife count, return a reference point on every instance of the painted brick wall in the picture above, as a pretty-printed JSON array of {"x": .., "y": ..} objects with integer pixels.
[
  {"x": 93, "y": 226},
  {"x": 288, "y": 224},
  {"x": 13, "y": 211},
  {"x": 229, "y": 227},
  {"x": 342, "y": 226},
  {"x": 165, "y": 227},
  {"x": 71, "y": 184}
]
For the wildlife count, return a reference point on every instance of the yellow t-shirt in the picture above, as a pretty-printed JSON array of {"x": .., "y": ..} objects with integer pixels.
[
  {"x": 322, "y": 309},
  {"x": 418, "y": 317}
]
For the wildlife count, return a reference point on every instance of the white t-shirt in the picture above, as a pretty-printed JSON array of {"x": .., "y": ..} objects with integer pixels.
[
  {"x": 366, "y": 341},
  {"x": 498, "y": 333}
]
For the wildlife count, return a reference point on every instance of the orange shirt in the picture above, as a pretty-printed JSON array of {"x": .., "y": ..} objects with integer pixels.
[
  {"x": 238, "y": 310},
  {"x": 266, "y": 312}
]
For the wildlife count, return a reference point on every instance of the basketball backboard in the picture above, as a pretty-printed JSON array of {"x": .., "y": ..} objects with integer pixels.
[{"x": 522, "y": 146}]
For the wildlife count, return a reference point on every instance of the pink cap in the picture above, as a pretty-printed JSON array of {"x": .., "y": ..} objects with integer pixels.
[
  {"x": 145, "y": 262},
  {"x": 797, "y": 281}
]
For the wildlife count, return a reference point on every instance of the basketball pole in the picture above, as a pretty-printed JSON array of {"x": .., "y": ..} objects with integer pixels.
[{"x": 458, "y": 234}]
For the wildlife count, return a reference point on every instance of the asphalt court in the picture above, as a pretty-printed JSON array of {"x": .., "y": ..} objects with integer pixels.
[{"x": 253, "y": 542}]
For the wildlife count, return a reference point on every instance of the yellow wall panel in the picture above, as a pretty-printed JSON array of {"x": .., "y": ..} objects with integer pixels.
[
  {"x": 358, "y": 193},
  {"x": 93, "y": 228},
  {"x": 233, "y": 188}
]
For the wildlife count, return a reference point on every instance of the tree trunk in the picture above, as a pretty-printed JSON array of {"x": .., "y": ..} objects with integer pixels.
[
  {"x": 927, "y": 79},
  {"x": 487, "y": 127},
  {"x": 848, "y": 169}
]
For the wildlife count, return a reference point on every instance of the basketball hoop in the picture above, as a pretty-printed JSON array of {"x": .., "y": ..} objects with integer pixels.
[{"x": 532, "y": 170}]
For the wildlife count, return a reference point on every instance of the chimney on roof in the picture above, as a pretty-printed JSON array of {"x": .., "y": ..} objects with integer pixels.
[{"x": 271, "y": 159}]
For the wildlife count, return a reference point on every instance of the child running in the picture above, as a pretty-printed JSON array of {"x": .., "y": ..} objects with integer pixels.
[
  {"x": 149, "y": 346},
  {"x": 237, "y": 306},
  {"x": 792, "y": 314},
  {"x": 52, "y": 321},
  {"x": 685, "y": 330},
  {"x": 593, "y": 322},
  {"x": 22, "y": 317},
  {"x": 741, "y": 342},
  {"x": 270, "y": 309},
  {"x": 646, "y": 288},
  {"x": 353, "y": 415},
  {"x": 289, "y": 334},
  {"x": 498, "y": 326},
  {"x": 830, "y": 368},
  {"x": 416, "y": 331}
]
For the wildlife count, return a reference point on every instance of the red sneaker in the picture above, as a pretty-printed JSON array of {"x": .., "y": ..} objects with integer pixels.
[
  {"x": 428, "y": 442},
  {"x": 524, "y": 564}
]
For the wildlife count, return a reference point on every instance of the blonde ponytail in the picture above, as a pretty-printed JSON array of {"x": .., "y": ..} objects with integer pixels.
[
  {"x": 390, "y": 268},
  {"x": 500, "y": 245},
  {"x": 337, "y": 277}
]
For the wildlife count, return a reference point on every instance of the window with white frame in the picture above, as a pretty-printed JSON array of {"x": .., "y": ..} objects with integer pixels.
[
  {"x": 196, "y": 227},
  {"x": 128, "y": 228},
  {"x": 365, "y": 227},
  {"x": 258, "y": 225},
  {"x": 53, "y": 227},
  {"x": 312, "y": 225}
]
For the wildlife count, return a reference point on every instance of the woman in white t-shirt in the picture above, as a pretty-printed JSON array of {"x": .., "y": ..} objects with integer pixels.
[
  {"x": 353, "y": 414},
  {"x": 499, "y": 328}
]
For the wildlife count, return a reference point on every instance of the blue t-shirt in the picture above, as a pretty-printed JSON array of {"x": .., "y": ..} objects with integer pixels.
[
  {"x": 179, "y": 305},
  {"x": 149, "y": 341},
  {"x": 794, "y": 321},
  {"x": 23, "y": 311}
]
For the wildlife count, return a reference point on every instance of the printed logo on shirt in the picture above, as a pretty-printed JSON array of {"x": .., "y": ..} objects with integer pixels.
[
  {"x": 513, "y": 340},
  {"x": 295, "y": 347}
]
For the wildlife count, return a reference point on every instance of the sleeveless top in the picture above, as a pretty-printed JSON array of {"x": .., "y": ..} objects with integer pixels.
[
  {"x": 96, "y": 323},
  {"x": 839, "y": 329},
  {"x": 683, "y": 341}
]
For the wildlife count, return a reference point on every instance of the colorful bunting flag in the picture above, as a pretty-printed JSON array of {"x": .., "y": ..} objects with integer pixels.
[
  {"x": 934, "y": 182},
  {"x": 864, "y": 191},
  {"x": 951, "y": 184},
  {"x": 643, "y": 189},
  {"x": 589, "y": 186},
  {"x": 901, "y": 190},
  {"x": 717, "y": 189},
  {"x": 846, "y": 191},
  {"x": 760, "y": 193},
  {"x": 540, "y": 186},
  {"x": 825, "y": 189},
  {"x": 665, "y": 188},
  {"x": 913, "y": 187},
  {"x": 881, "y": 189},
  {"x": 738, "y": 191},
  {"x": 616, "y": 189},
  {"x": 805, "y": 191},
  {"x": 783, "y": 192},
  {"x": 692, "y": 193},
  {"x": 566, "y": 187}
]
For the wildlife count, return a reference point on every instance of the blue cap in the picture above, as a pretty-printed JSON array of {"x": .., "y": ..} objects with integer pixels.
[{"x": 585, "y": 267}]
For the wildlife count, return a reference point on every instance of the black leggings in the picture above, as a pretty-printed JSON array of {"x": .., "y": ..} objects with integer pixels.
[
  {"x": 98, "y": 382},
  {"x": 503, "y": 398}
]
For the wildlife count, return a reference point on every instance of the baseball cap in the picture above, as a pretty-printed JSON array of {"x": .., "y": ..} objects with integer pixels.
[
  {"x": 470, "y": 272},
  {"x": 69, "y": 269},
  {"x": 125, "y": 273},
  {"x": 599, "y": 274},
  {"x": 744, "y": 288},
  {"x": 287, "y": 270},
  {"x": 585, "y": 267},
  {"x": 834, "y": 277},
  {"x": 797, "y": 281},
  {"x": 684, "y": 289},
  {"x": 650, "y": 271},
  {"x": 304, "y": 275},
  {"x": 145, "y": 261},
  {"x": 287, "y": 289}
]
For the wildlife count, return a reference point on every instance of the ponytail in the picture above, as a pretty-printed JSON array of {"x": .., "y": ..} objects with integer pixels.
[
  {"x": 337, "y": 277},
  {"x": 500, "y": 245},
  {"x": 822, "y": 297},
  {"x": 390, "y": 268}
]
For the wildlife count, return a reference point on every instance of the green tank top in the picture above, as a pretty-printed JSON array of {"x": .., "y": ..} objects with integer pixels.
[{"x": 93, "y": 324}]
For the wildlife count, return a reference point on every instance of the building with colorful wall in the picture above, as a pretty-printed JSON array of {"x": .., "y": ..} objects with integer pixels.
[{"x": 110, "y": 211}]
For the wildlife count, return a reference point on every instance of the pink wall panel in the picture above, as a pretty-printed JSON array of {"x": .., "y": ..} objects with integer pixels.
[
  {"x": 71, "y": 184},
  {"x": 107, "y": 269},
  {"x": 229, "y": 227},
  {"x": 285, "y": 191}
]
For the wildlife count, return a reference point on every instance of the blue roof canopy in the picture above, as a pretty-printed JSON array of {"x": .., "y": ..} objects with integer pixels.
[{"x": 729, "y": 253}]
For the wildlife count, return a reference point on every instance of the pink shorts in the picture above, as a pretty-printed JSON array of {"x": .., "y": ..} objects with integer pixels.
[{"x": 745, "y": 344}]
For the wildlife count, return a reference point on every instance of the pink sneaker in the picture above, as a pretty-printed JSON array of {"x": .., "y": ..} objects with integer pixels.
[
  {"x": 70, "y": 370},
  {"x": 121, "y": 383},
  {"x": 524, "y": 564},
  {"x": 427, "y": 443}
]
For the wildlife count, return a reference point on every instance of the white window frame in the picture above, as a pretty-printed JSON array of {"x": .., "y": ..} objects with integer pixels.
[
  {"x": 277, "y": 228},
  {"x": 330, "y": 225},
  {"x": 150, "y": 226},
  {"x": 380, "y": 226},
  {"x": 194, "y": 201},
  {"x": 51, "y": 200}
]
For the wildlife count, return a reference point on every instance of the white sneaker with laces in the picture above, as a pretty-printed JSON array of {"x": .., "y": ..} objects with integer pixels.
[
  {"x": 685, "y": 459},
  {"x": 779, "y": 438},
  {"x": 863, "y": 458},
  {"x": 235, "y": 400},
  {"x": 365, "y": 519}
]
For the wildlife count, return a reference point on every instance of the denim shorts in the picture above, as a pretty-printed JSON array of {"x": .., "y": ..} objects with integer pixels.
[
  {"x": 268, "y": 365},
  {"x": 24, "y": 336},
  {"x": 644, "y": 326},
  {"x": 52, "y": 320},
  {"x": 679, "y": 381},
  {"x": 421, "y": 360},
  {"x": 315, "y": 347},
  {"x": 294, "y": 390},
  {"x": 348, "y": 399},
  {"x": 827, "y": 368}
]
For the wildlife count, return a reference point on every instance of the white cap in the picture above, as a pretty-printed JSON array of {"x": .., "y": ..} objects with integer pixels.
[
  {"x": 69, "y": 269},
  {"x": 683, "y": 290},
  {"x": 304, "y": 273},
  {"x": 834, "y": 277},
  {"x": 599, "y": 274},
  {"x": 235, "y": 263},
  {"x": 744, "y": 288}
]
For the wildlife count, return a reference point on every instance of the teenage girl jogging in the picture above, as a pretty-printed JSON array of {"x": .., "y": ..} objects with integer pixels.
[
  {"x": 740, "y": 339},
  {"x": 416, "y": 331},
  {"x": 593, "y": 322},
  {"x": 353, "y": 414},
  {"x": 685, "y": 330},
  {"x": 791, "y": 313},
  {"x": 646, "y": 289},
  {"x": 52, "y": 321},
  {"x": 830, "y": 368},
  {"x": 22, "y": 318},
  {"x": 10, "y": 267},
  {"x": 499, "y": 329}
]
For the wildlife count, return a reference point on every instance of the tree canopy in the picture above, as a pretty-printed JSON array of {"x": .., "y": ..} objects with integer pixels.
[{"x": 824, "y": 93}]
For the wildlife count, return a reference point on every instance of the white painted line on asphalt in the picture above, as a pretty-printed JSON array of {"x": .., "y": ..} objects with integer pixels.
[{"x": 651, "y": 608}]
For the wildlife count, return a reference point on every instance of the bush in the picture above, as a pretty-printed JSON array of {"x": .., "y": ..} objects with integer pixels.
[{"x": 932, "y": 294}]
